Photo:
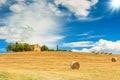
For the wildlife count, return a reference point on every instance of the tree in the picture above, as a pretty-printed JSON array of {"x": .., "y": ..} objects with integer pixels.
[
  {"x": 26, "y": 47},
  {"x": 57, "y": 47},
  {"x": 44, "y": 48},
  {"x": 9, "y": 48},
  {"x": 18, "y": 47}
]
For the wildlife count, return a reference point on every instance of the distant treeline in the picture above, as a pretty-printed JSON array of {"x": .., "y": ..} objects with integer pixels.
[{"x": 20, "y": 47}]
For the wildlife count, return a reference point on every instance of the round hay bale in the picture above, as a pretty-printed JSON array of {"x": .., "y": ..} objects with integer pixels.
[
  {"x": 110, "y": 53},
  {"x": 74, "y": 65},
  {"x": 106, "y": 53},
  {"x": 93, "y": 51},
  {"x": 102, "y": 52},
  {"x": 114, "y": 59},
  {"x": 97, "y": 53}
]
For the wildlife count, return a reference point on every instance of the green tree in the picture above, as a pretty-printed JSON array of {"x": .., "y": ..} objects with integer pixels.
[
  {"x": 57, "y": 47},
  {"x": 18, "y": 47},
  {"x": 13, "y": 47},
  {"x": 26, "y": 47},
  {"x": 9, "y": 48},
  {"x": 44, "y": 48}
]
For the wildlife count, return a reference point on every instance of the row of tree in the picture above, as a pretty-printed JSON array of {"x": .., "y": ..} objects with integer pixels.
[{"x": 20, "y": 47}]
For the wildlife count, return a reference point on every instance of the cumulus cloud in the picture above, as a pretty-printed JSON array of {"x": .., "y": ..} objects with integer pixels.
[
  {"x": 2, "y": 2},
  {"x": 79, "y": 44},
  {"x": 93, "y": 2},
  {"x": 106, "y": 46},
  {"x": 80, "y": 8},
  {"x": 17, "y": 8},
  {"x": 33, "y": 23},
  {"x": 55, "y": 10},
  {"x": 15, "y": 34},
  {"x": 75, "y": 50},
  {"x": 103, "y": 46},
  {"x": 83, "y": 50}
]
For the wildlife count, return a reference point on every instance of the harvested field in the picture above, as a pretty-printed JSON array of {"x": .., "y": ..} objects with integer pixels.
[{"x": 56, "y": 66}]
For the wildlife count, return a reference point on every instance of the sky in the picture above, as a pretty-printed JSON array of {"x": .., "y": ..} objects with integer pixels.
[{"x": 76, "y": 25}]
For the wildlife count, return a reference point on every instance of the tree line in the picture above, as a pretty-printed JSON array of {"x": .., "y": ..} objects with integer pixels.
[{"x": 20, "y": 47}]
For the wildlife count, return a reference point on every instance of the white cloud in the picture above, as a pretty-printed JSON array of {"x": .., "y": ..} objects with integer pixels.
[
  {"x": 15, "y": 34},
  {"x": 55, "y": 10},
  {"x": 20, "y": 1},
  {"x": 91, "y": 37},
  {"x": 107, "y": 46},
  {"x": 17, "y": 8},
  {"x": 83, "y": 50},
  {"x": 104, "y": 46},
  {"x": 94, "y": 2},
  {"x": 80, "y": 8},
  {"x": 79, "y": 44},
  {"x": 95, "y": 36},
  {"x": 33, "y": 23},
  {"x": 89, "y": 18},
  {"x": 85, "y": 34},
  {"x": 2, "y": 2},
  {"x": 75, "y": 50}
]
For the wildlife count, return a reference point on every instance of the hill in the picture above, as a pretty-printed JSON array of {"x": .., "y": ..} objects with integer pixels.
[{"x": 56, "y": 66}]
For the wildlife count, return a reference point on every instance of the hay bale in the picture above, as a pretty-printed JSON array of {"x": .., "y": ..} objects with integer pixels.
[
  {"x": 93, "y": 51},
  {"x": 110, "y": 53},
  {"x": 74, "y": 65},
  {"x": 106, "y": 53},
  {"x": 102, "y": 52},
  {"x": 97, "y": 53},
  {"x": 114, "y": 59}
]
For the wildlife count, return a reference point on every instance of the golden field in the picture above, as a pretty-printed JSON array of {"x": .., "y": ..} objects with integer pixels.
[{"x": 56, "y": 66}]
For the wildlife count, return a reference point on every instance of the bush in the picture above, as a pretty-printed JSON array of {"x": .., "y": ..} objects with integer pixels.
[{"x": 44, "y": 48}]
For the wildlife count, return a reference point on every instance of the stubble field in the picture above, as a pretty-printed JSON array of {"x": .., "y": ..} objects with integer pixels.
[{"x": 56, "y": 66}]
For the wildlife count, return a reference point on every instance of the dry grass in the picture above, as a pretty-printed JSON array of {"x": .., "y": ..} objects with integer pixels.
[{"x": 56, "y": 66}]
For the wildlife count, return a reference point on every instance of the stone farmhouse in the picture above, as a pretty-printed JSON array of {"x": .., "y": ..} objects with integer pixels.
[{"x": 35, "y": 47}]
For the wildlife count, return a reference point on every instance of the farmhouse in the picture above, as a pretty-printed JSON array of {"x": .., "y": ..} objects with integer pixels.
[{"x": 35, "y": 47}]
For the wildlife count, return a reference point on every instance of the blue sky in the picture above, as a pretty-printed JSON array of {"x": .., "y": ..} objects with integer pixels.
[{"x": 77, "y": 25}]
